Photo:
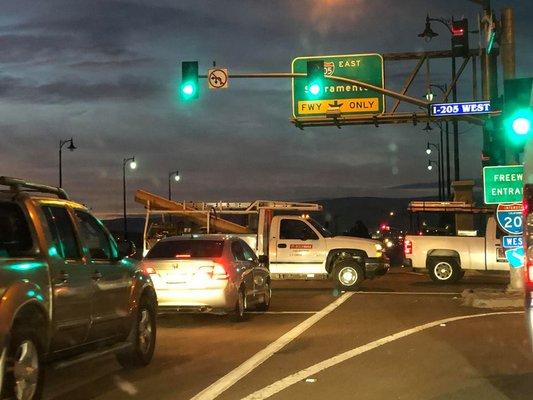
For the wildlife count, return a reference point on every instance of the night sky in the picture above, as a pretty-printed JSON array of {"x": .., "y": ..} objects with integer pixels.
[{"x": 106, "y": 73}]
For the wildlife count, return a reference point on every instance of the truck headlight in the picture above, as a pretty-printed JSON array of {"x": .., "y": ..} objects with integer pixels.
[{"x": 379, "y": 249}]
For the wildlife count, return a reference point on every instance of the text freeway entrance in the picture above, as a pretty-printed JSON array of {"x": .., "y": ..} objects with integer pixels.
[
  {"x": 503, "y": 184},
  {"x": 351, "y": 99}
]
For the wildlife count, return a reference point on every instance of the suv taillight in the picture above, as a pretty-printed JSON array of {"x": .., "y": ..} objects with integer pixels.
[
  {"x": 407, "y": 247},
  {"x": 150, "y": 270}
]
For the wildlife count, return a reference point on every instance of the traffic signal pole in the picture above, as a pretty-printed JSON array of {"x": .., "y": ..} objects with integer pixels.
[{"x": 507, "y": 47}]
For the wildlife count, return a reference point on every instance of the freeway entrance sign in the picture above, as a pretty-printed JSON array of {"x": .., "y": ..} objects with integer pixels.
[
  {"x": 467, "y": 108},
  {"x": 503, "y": 184},
  {"x": 350, "y": 99}
]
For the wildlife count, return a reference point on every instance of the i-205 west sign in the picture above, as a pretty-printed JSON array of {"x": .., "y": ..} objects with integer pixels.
[{"x": 351, "y": 99}]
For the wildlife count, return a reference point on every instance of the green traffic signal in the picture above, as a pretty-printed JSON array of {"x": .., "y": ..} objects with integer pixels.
[
  {"x": 517, "y": 112},
  {"x": 315, "y": 77},
  {"x": 315, "y": 89},
  {"x": 189, "y": 80},
  {"x": 521, "y": 126},
  {"x": 518, "y": 125}
]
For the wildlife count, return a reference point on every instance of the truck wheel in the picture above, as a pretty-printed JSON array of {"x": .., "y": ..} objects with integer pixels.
[
  {"x": 24, "y": 375},
  {"x": 444, "y": 270},
  {"x": 348, "y": 275},
  {"x": 237, "y": 314},
  {"x": 142, "y": 337},
  {"x": 264, "y": 305}
]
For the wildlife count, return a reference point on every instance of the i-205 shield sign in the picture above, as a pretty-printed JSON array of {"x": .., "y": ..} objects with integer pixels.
[{"x": 509, "y": 217}]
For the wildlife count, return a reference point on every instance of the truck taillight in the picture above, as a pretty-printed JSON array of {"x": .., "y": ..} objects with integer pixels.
[{"x": 407, "y": 247}]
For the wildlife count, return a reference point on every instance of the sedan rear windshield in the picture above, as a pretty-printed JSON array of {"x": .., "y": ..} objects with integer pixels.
[
  {"x": 15, "y": 236},
  {"x": 187, "y": 249}
]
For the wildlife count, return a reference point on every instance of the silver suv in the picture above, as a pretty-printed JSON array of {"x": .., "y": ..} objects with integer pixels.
[{"x": 68, "y": 292}]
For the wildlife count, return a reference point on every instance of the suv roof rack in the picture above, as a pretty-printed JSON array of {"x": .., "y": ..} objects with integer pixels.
[{"x": 19, "y": 185}]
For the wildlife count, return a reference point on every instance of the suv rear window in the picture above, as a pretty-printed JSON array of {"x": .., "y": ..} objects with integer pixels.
[
  {"x": 15, "y": 236},
  {"x": 187, "y": 249}
]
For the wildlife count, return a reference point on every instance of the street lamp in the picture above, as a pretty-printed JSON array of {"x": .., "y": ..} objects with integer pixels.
[
  {"x": 71, "y": 147},
  {"x": 133, "y": 165},
  {"x": 177, "y": 178},
  {"x": 430, "y": 168},
  {"x": 429, "y": 97},
  {"x": 429, "y": 34},
  {"x": 439, "y": 166}
]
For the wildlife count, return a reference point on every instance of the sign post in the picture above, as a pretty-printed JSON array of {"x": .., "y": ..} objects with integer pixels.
[{"x": 349, "y": 99}]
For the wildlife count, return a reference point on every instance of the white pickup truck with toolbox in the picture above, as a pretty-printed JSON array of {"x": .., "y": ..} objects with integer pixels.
[
  {"x": 446, "y": 253},
  {"x": 290, "y": 243}
]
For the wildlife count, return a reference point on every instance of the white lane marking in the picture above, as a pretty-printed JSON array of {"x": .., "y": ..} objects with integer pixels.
[
  {"x": 299, "y": 376},
  {"x": 413, "y": 293},
  {"x": 249, "y": 365},
  {"x": 281, "y": 312}
]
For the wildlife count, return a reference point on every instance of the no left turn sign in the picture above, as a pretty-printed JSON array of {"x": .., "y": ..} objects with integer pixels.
[{"x": 218, "y": 78}]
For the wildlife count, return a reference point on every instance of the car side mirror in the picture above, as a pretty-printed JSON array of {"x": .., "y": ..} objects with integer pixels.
[
  {"x": 126, "y": 248},
  {"x": 263, "y": 260}
]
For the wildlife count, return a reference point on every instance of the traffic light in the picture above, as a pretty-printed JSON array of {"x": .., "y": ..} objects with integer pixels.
[
  {"x": 189, "y": 80},
  {"x": 315, "y": 78},
  {"x": 517, "y": 112},
  {"x": 460, "y": 46}
]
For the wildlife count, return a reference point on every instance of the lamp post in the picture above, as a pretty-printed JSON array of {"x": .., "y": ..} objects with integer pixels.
[
  {"x": 430, "y": 168},
  {"x": 445, "y": 182},
  {"x": 439, "y": 166},
  {"x": 71, "y": 147},
  {"x": 133, "y": 164},
  {"x": 429, "y": 34},
  {"x": 177, "y": 178}
]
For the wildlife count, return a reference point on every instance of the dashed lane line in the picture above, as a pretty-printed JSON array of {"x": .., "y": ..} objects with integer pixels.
[
  {"x": 249, "y": 365},
  {"x": 290, "y": 380}
]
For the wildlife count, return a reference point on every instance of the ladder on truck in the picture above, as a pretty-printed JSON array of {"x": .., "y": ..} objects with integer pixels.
[{"x": 209, "y": 213}]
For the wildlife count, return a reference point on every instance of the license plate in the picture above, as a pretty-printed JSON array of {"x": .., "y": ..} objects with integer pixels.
[{"x": 175, "y": 277}]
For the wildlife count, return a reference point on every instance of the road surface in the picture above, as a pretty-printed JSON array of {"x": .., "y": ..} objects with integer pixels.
[{"x": 401, "y": 337}]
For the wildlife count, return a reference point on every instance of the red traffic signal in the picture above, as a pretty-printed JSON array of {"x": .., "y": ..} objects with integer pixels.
[{"x": 459, "y": 31}]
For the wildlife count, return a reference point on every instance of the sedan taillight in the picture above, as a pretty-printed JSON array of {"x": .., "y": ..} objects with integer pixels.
[{"x": 219, "y": 272}]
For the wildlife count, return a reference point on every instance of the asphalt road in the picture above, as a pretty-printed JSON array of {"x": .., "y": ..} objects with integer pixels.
[{"x": 396, "y": 339}]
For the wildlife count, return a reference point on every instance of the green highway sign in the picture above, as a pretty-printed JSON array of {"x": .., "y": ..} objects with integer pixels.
[
  {"x": 350, "y": 99},
  {"x": 503, "y": 184}
]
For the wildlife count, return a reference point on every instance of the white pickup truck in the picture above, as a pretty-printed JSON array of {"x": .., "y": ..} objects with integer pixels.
[
  {"x": 446, "y": 258},
  {"x": 292, "y": 245},
  {"x": 300, "y": 248}
]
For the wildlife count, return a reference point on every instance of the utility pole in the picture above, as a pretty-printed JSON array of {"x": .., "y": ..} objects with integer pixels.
[{"x": 507, "y": 47}]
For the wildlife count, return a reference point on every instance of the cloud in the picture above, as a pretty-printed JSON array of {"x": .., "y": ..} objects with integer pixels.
[
  {"x": 128, "y": 88},
  {"x": 113, "y": 63}
]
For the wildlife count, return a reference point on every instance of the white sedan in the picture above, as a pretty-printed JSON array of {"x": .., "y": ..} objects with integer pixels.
[{"x": 208, "y": 273}]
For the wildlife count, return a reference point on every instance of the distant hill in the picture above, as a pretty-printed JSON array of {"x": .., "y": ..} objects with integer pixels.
[{"x": 341, "y": 214}]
